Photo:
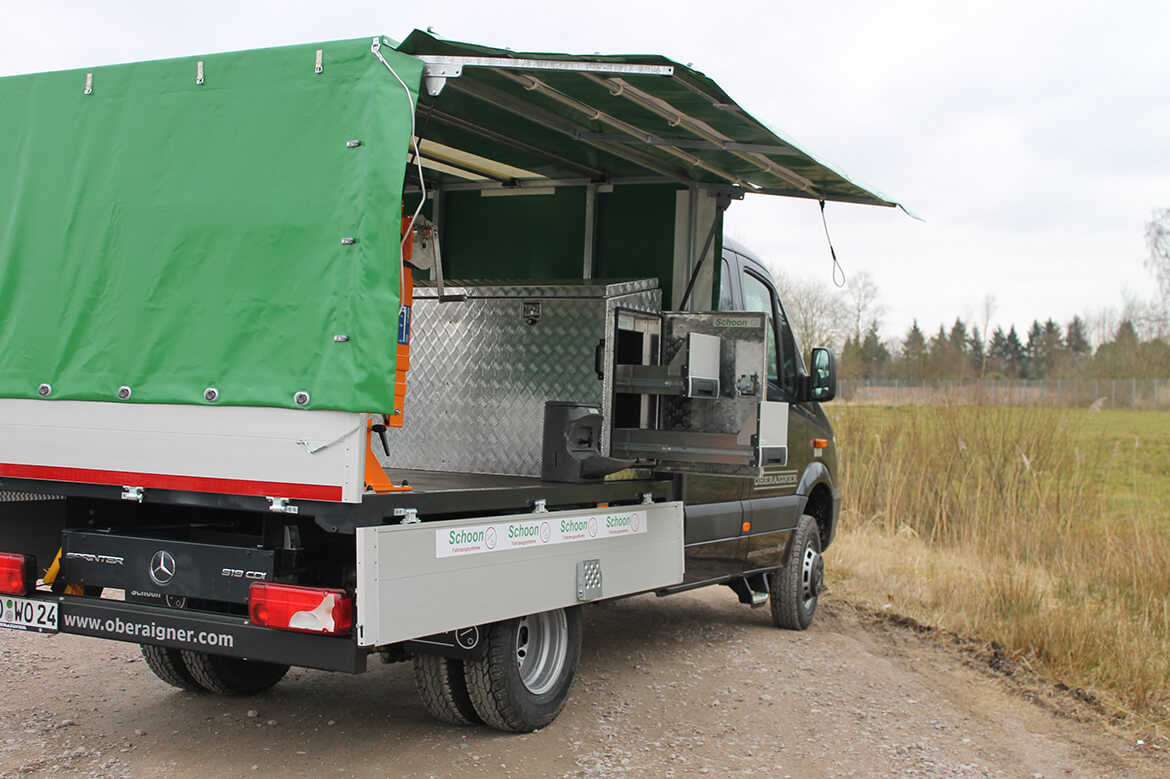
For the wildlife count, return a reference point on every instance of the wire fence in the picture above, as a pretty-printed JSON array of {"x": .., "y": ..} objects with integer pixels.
[{"x": 1136, "y": 394}]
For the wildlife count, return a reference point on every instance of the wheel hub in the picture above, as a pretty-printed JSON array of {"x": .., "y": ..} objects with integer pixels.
[
  {"x": 812, "y": 575},
  {"x": 542, "y": 643}
]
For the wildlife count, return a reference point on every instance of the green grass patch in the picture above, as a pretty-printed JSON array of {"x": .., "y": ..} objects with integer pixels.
[{"x": 1043, "y": 529}]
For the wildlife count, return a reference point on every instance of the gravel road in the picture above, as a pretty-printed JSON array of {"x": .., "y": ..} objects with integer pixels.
[{"x": 691, "y": 685}]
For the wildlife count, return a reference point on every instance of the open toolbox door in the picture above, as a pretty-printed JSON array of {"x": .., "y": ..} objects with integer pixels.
[{"x": 690, "y": 393}]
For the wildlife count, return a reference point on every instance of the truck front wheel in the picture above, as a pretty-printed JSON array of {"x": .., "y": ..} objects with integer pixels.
[
  {"x": 796, "y": 587},
  {"x": 523, "y": 680}
]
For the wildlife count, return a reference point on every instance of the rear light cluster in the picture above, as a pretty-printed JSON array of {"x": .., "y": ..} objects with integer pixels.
[
  {"x": 18, "y": 573},
  {"x": 304, "y": 609}
]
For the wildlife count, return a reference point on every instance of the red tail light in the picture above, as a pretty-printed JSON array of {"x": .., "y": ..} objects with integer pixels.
[
  {"x": 305, "y": 609},
  {"x": 18, "y": 573}
]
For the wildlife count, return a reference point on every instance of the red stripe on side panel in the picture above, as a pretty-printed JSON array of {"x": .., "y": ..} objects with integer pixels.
[{"x": 160, "y": 481}]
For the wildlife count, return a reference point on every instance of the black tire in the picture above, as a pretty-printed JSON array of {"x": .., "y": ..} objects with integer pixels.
[
  {"x": 543, "y": 649},
  {"x": 232, "y": 675},
  {"x": 167, "y": 664},
  {"x": 796, "y": 588},
  {"x": 443, "y": 688}
]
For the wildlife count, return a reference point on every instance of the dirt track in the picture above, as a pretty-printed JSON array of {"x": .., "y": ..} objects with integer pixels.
[{"x": 691, "y": 685}]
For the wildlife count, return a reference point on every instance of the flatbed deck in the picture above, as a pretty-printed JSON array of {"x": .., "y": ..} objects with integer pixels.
[{"x": 433, "y": 495}]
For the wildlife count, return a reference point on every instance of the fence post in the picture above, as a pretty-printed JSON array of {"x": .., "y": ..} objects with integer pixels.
[
  {"x": 1155, "y": 394},
  {"x": 1113, "y": 393},
  {"x": 895, "y": 392},
  {"x": 1133, "y": 394}
]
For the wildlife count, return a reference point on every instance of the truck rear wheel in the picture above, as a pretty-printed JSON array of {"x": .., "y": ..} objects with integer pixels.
[
  {"x": 442, "y": 686},
  {"x": 796, "y": 587},
  {"x": 523, "y": 680},
  {"x": 232, "y": 675},
  {"x": 167, "y": 664}
]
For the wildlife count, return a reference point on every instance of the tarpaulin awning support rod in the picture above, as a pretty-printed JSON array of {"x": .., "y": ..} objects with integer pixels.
[
  {"x": 693, "y": 143},
  {"x": 551, "y": 121},
  {"x": 676, "y": 118},
  {"x": 437, "y": 69},
  {"x": 512, "y": 143},
  {"x": 534, "y": 84}
]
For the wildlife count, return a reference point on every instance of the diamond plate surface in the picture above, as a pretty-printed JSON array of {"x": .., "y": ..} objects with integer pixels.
[
  {"x": 480, "y": 375},
  {"x": 8, "y": 497}
]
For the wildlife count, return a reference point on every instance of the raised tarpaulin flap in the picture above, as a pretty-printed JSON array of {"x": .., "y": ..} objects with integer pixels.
[{"x": 228, "y": 222}]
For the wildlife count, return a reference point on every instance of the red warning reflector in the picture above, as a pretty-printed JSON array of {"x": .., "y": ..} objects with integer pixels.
[
  {"x": 304, "y": 609},
  {"x": 18, "y": 573}
]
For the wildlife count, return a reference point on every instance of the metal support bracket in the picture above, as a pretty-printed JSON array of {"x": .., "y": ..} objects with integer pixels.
[
  {"x": 133, "y": 493},
  {"x": 409, "y": 516},
  {"x": 319, "y": 68},
  {"x": 540, "y": 506},
  {"x": 437, "y": 69},
  {"x": 282, "y": 506},
  {"x": 88, "y": 84}
]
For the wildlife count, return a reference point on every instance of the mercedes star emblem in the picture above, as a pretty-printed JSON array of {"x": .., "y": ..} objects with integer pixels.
[{"x": 162, "y": 567}]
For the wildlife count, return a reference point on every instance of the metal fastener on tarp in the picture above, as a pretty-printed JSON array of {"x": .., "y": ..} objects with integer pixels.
[
  {"x": 199, "y": 73},
  {"x": 348, "y": 241},
  {"x": 124, "y": 392},
  {"x": 352, "y": 144},
  {"x": 45, "y": 390},
  {"x": 301, "y": 398},
  {"x": 319, "y": 68},
  {"x": 211, "y": 394},
  {"x": 88, "y": 84},
  {"x": 340, "y": 339}
]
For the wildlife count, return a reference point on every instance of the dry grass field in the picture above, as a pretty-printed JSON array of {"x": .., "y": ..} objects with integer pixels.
[{"x": 1045, "y": 530}]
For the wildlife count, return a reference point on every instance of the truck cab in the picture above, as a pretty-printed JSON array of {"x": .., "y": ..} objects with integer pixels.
[{"x": 738, "y": 529}]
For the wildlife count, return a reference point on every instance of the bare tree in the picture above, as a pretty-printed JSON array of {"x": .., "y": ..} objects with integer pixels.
[
  {"x": 988, "y": 312},
  {"x": 862, "y": 293},
  {"x": 818, "y": 315},
  {"x": 1158, "y": 241}
]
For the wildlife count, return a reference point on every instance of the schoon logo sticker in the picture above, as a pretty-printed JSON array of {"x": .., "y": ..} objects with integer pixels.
[{"x": 519, "y": 534}]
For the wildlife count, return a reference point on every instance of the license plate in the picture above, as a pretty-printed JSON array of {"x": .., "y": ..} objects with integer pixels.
[{"x": 38, "y": 616}]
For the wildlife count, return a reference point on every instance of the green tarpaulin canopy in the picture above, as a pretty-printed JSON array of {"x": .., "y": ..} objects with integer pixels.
[
  {"x": 559, "y": 123},
  {"x": 231, "y": 222},
  {"x": 171, "y": 233}
]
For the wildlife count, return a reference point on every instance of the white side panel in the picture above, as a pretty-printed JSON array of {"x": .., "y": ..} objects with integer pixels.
[
  {"x": 773, "y": 433},
  {"x": 420, "y": 579},
  {"x": 230, "y": 449}
]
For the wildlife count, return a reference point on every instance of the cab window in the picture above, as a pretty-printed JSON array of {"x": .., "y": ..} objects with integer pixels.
[
  {"x": 757, "y": 296},
  {"x": 726, "y": 297}
]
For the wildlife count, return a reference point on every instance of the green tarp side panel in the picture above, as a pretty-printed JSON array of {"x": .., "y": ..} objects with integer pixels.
[
  {"x": 169, "y": 236},
  {"x": 635, "y": 234},
  {"x": 517, "y": 237},
  {"x": 482, "y": 96}
]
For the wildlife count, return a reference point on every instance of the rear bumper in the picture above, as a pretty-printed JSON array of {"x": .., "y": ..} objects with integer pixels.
[{"x": 219, "y": 634}]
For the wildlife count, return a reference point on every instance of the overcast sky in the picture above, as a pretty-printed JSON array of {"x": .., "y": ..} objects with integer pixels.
[{"x": 1032, "y": 138}]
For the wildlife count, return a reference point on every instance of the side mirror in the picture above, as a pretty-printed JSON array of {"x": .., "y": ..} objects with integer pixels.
[{"x": 823, "y": 381}]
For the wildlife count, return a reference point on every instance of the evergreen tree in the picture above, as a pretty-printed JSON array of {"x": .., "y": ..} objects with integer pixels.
[
  {"x": 998, "y": 353},
  {"x": 914, "y": 353},
  {"x": 1014, "y": 354},
  {"x": 976, "y": 357},
  {"x": 874, "y": 354},
  {"x": 1075, "y": 342},
  {"x": 1033, "y": 364}
]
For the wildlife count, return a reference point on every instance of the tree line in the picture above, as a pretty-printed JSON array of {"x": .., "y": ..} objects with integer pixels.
[{"x": 1131, "y": 343}]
